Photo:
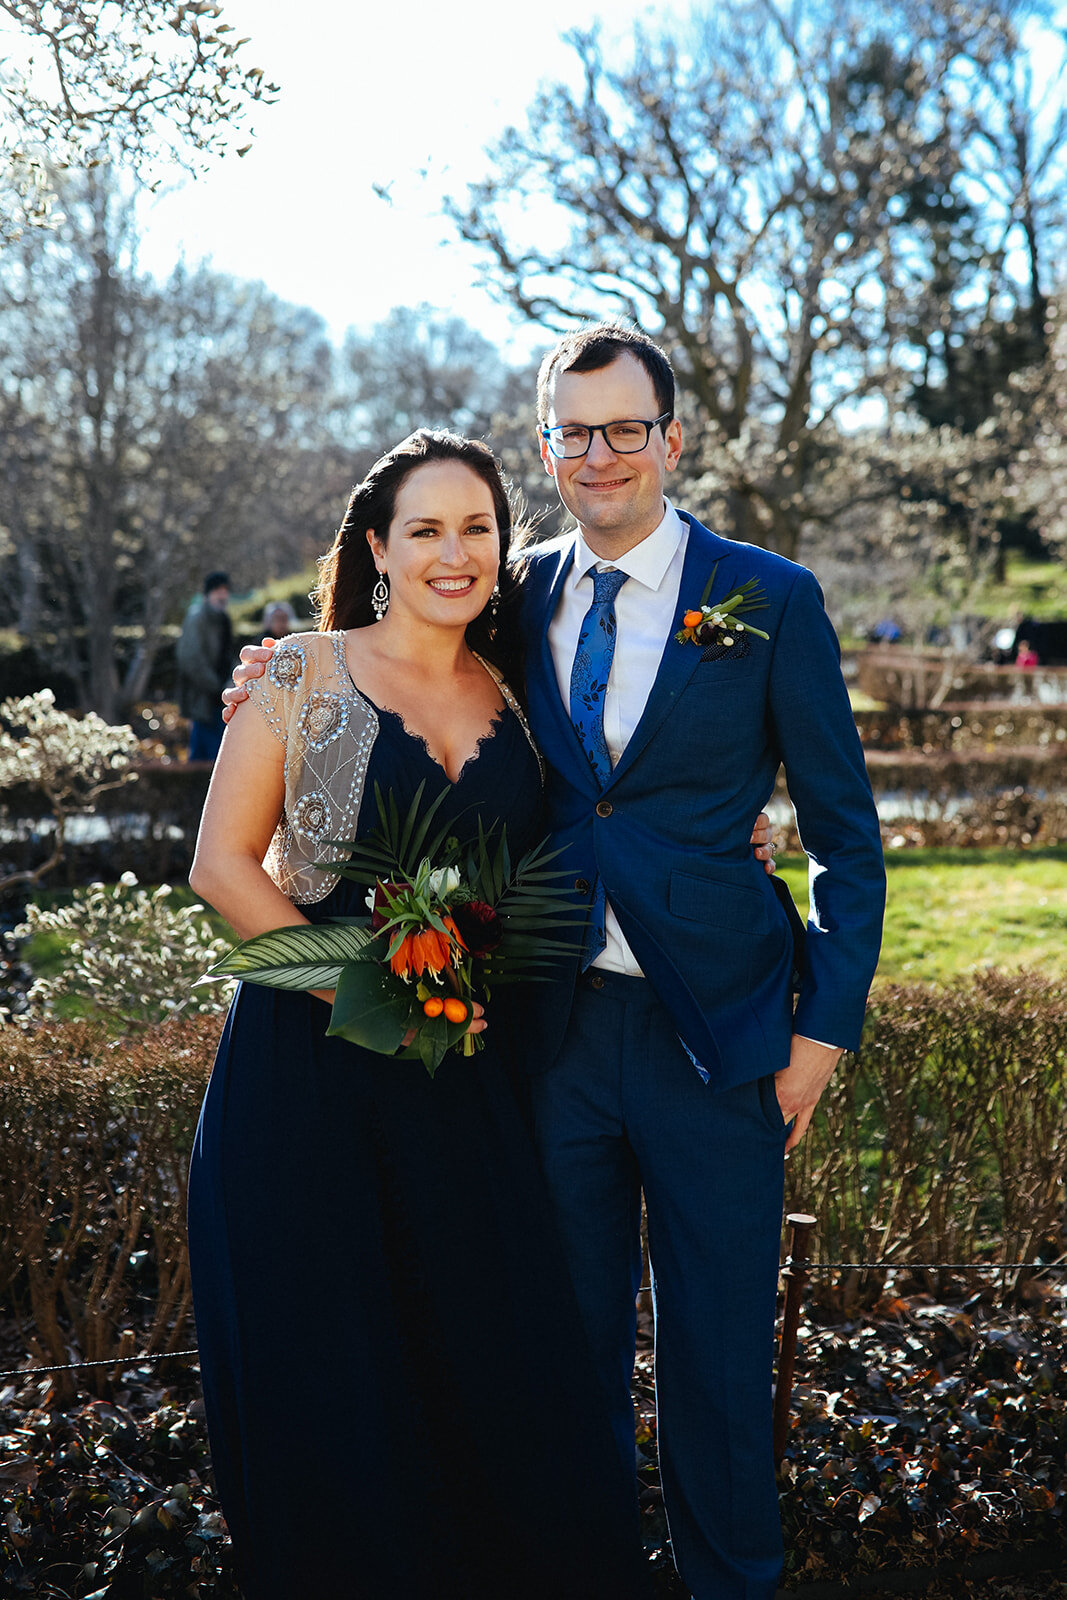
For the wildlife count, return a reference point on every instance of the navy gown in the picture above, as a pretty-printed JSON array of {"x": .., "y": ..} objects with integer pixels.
[{"x": 398, "y": 1399}]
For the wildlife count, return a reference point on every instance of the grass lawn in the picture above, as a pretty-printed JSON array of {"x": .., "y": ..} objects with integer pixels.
[
  {"x": 950, "y": 911},
  {"x": 1038, "y": 588}
]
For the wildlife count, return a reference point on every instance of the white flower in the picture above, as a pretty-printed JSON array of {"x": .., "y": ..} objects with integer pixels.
[
  {"x": 129, "y": 880},
  {"x": 369, "y": 901},
  {"x": 443, "y": 881}
]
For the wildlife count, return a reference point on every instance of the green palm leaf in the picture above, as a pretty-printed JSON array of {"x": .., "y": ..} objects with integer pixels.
[{"x": 300, "y": 957}]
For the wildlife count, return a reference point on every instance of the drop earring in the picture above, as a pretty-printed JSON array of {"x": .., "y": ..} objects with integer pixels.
[
  {"x": 494, "y": 601},
  {"x": 379, "y": 598}
]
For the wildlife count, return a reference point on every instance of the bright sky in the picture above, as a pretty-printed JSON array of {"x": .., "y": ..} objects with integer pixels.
[{"x": 403, "y": 96}]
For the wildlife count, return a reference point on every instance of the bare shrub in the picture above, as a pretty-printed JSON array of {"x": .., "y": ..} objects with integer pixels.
[
  {"x": 95, "y": 1136},
  {"x": 943, "y": 1140}
]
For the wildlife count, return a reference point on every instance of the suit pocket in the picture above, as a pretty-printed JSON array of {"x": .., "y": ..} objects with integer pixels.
[
  {"x": 738, "y": 648},
  {"x": 769, "y": 1103},
  {"x": 724, "y": 905}
]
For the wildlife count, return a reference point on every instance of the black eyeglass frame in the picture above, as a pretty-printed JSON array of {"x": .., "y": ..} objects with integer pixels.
[{"x": 602, "y": 428}]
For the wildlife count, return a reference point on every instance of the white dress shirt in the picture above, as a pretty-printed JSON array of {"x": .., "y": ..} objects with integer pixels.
[{"x": 645, "y": 611}]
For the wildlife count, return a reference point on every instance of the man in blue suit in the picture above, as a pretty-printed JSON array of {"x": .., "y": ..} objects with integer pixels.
[{"x": 670, "y": 1060}]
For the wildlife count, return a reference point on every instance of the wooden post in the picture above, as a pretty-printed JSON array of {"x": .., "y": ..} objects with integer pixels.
[{"x": 795, "y": 1273}]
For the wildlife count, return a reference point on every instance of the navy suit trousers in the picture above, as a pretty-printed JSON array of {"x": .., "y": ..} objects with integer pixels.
[{"x": 622, "y": 1109}]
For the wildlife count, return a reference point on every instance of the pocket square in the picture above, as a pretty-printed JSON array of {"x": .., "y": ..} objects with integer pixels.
[{"x": 741, "y": 646}]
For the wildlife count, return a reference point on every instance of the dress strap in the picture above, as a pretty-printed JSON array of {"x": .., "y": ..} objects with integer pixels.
[{"x": 512, "y": 703}]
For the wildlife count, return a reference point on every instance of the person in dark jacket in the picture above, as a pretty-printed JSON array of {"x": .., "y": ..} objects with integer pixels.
[{"x": 205, "y": 657}]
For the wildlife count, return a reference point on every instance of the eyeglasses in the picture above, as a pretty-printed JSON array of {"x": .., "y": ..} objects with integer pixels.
[{"x": 568, "y": 440}]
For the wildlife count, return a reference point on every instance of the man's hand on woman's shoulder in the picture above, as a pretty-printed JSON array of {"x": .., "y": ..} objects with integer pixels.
[{"x": 254, "y": 658}]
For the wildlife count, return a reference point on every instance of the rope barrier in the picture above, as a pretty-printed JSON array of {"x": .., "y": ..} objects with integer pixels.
[
  {"x": 936, "y": 1266},
  {"x": 646, "y": 1288},
  {"x": 112, "y": 1361}
]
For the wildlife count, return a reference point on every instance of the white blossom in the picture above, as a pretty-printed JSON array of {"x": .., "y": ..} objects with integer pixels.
[{"x": 136, "y": 955}]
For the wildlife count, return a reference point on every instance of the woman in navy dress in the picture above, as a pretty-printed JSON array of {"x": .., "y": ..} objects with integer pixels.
[{"x": 398, "y": 1398}]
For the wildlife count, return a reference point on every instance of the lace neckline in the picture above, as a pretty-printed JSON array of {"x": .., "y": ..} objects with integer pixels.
[
  {"x": 418, "y": 739},
  {"x": 387, "y": 711}
]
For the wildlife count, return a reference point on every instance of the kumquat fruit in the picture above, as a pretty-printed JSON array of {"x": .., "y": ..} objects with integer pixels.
[
  {"x": 455, "y": 1010},
  {"x": 433, "y": 1006},
  {"x": 692, "y": 619}
]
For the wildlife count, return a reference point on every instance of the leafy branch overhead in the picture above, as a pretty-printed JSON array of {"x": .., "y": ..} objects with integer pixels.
[{"x": 146, "y": 82}]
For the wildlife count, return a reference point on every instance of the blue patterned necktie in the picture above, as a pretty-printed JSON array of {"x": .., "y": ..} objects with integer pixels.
[{"x": 589, "y": 682}]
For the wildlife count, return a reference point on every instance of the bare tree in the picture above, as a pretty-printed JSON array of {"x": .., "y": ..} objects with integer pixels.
[
  {"x": 154, "y": 430},
  {"x": 766, "y": 188},
  {"x": 149, "y": 81},
  {"x": 420, "y": 368}
]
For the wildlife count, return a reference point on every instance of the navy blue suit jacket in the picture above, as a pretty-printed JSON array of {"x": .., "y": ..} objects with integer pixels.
[{"x": 671, "y": 836}]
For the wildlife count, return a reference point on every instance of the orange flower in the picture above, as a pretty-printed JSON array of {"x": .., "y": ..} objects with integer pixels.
[{"x": 425, "y": 951}]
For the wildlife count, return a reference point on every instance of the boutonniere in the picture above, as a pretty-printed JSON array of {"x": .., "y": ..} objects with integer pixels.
[{"x": 722, "y": 624}]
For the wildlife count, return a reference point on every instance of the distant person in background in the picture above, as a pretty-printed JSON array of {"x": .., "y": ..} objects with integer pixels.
[
  {"x": 279, "y": 619},
  {"x": 205, "y": 657},
  {"x": 1026, "y": 655}
]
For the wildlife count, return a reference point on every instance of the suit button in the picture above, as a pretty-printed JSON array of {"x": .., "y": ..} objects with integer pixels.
[
  {"x": 581, "y": 885},
  {"x": 603, "y": 808},
  {"x": 596, "y": 981}
]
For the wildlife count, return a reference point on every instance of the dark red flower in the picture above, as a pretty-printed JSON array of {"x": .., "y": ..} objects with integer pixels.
[{"x": 479, "y": 926}]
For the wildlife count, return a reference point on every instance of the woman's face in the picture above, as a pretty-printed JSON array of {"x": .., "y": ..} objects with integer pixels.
[{"x": 442, "y": 555}]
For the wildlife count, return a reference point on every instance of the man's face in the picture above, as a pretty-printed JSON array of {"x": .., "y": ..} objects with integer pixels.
[
  {"x": 218, "y": 599},
  {"x": 617, "y": 500}
]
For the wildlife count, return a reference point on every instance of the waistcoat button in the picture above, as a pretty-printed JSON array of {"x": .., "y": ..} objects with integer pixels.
[{"x": 603, "y": 808}]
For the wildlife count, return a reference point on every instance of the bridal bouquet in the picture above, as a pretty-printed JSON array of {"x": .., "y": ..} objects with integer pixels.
[{"x": 445, "y": 922}]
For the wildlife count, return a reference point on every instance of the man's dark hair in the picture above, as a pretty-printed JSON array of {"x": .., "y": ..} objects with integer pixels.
[
  {"x": 216, "y": 580},
  {"x": 597, "y": 345}
]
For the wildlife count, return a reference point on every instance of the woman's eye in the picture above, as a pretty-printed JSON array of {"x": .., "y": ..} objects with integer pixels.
[
  {"x": 479, "y": 527},
  {"x": 424, "y": 533}
]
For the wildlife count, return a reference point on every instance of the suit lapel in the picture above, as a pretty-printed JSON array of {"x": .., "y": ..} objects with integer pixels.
[
  {"x": 679, "y": 661},
  {"x": 553, "y": 728}
]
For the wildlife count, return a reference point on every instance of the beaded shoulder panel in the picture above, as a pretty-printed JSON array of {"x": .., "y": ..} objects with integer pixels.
[{"x": 315, "y": 710}]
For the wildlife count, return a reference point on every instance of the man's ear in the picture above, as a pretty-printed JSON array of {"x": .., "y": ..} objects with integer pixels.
[{"x": 673, "y": 438}]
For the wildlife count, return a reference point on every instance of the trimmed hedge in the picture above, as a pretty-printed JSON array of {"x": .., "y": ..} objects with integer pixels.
[
  {"x": 943, "y": 1140},
  {"x": 95, "y": 1135}
]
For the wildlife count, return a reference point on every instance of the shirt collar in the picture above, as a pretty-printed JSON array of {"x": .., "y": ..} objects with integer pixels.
[{"x": 648, "y": 561}]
